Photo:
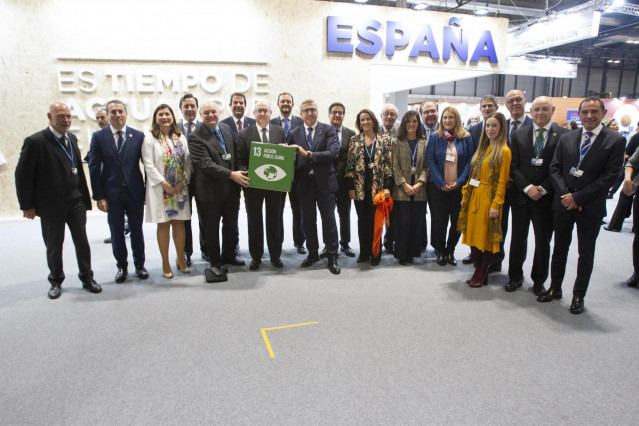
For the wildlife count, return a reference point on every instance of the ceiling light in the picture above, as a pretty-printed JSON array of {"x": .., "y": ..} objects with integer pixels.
[
  {"x": 610, "y": 61},
  {"x": 361, "y": 1},
  {"x": 616, "y": 61},
  {"x": 481, "y": 12},
  {"x": 420, "y": 6}
]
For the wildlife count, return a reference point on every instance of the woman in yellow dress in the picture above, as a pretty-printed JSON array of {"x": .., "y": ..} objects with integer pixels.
[{"x": 483, "y": 197}]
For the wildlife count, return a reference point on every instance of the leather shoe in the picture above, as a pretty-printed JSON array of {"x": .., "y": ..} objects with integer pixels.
[
  {"x": 277, "y": 263},
  {"x": 451, "y": 259},
  {"x": 205, "y": 257},
  {"x": 333, "y": 266},
  {"x": 347, "y": 251},
  {"x": 477, "y": 284},
  {"x": 255, "y": 264},
  {"x": 141, "y": 272},
  {"x": 362, "y": 259},
  {"x": 234, "y": 262},
  {"x": 55, "y": 291},
  {"x": 312, "y": 258},
  {"x": 468, "y": 260},
  {"x": 539, "y": 289},
  {"x": 513, "y": 285},
  {"x": 633, "y": 281},
  {"x": 577, "y": 305},
  {"x": 107, "y": 240},
  {"x": 300, "y": 249},
  {"x": 550, "y": 295},
  {"x": 494, "y": 267},
  {"x": 441, "y": 261},
  {"x": 323, "y": 253},
  {"x": 222, "y": 267},
  {"x": 187, "y": 259},
  {"x": 389, "y": 248},
  {"x": 608, "y": 228},
  {"x": 92, "y": 286},
  {"x": 121, "y": 275}
]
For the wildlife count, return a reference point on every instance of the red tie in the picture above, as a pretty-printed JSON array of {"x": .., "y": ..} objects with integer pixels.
[{"x": 239, "y": 125}]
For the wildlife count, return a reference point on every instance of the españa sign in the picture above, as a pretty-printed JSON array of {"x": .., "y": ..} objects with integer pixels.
[{"x": 271, "y": 166}]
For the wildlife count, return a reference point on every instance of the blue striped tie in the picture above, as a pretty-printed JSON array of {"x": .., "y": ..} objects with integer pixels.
[{"x": 586, "y": 144}]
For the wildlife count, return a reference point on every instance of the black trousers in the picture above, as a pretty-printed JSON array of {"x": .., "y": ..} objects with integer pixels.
[
  {"x": 312, "y": 200},
  {"x": 635, "y": 242},
  {"x": 408, "y": 234},
  {"x": 188, "y": 242},
  {"x": 445, "y": 207},
  {"x": 622, "y": 211},
  {"x": 541, "y": 214},
  {"x": 587, "y": 232},
  {"x": 498, "y": 257},
  {"x": 366, "y": 224},
  {"x": 298, "y": 221},
  {"x": 254, "y": 201},
  {"x": 389, "y": 235},
  {"x": 343, "y": 202},
  {"x": 53, "y": 235},
  {"x": 227, "y": 212}
]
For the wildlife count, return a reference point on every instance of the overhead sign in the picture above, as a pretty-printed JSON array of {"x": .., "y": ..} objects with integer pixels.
[
  {"x": 556, "y": 31},
  {"x": 539, "y": 67}
]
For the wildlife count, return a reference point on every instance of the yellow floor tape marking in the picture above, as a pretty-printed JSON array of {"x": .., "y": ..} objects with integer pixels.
[{"x": 268, "y": 344}]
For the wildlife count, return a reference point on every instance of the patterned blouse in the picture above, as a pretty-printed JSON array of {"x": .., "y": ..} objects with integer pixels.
[{"x": 382, "y": 165}]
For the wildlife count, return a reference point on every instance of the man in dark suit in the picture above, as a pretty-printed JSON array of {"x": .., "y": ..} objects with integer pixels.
[
  {"x": 585, "y": 165},
  {"x": 532, "y": 149},
  {"x": 118, "y": 185},
  {"x": 218, "y": 183},
  {"x": 515, "y": 104},
  {"x": 50, "y": 183},
  {"x": 237, "y": 121},
  {"x": 189, "y": 106},
  {"x": 255, "y": 198},
  {"x": 429, "y": 112},
  {"x": 336, "y": 112},
  {"x": 317, "y": 148},
  {"x": 288, "y": 122}
]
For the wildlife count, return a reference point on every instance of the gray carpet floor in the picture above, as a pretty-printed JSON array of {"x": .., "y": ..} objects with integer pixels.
[{"x": 392, "y": 345}]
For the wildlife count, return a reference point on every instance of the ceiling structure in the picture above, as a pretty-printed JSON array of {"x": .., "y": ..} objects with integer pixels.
[{"x": 617, "y": 45}]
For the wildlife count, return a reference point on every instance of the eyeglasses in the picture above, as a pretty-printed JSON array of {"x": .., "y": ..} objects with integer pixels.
[
  {"x": 262, "y": 111},
  {"x": 309, "y": 111},
  {"x": 514, "y": 100},
  {"x": 389, "y": 115},
  {"x": 337, "y": 112}
]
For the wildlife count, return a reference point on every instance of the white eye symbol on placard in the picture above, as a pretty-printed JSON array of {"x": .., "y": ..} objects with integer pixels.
[{"x": 270, "y": 172}]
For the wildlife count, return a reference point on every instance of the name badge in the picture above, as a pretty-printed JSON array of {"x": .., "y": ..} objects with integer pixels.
[
  {"x": 370, "y": 165},
  {"x": 226, "y": 157},
  {"x": 473, "y": 182},
  {"x": 450, "y": 158},
  {"x": 537, "y": 161},
  {"x": 413, "y": 169},
  {"x": 576, "y": 172},
  {"x": 74, "y": 170}
]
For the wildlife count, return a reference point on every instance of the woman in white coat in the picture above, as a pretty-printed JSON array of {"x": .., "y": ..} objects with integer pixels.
[{"x": 167, "y": 162}]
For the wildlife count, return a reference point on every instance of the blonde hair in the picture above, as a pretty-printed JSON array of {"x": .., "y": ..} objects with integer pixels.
[
  {"x": 459, "y": 128},
  {"x": 501, "y": 141}
]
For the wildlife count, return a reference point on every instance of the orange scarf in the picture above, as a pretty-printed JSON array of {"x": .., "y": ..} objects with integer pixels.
[{"x": 384, "y": 207}]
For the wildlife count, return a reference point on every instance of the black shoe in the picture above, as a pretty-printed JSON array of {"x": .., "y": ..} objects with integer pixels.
[
  {"x": 451, "y": 259},
  {"x": 376, "y": 259},
  {"x": 55, "y": 291},
  {"x": 389, "y": 248},
  {"x": 333, "y": 266},
  {"x": 468, "y": 259},
  {"x": 402, "y": 262},
  {"x": 92, "y": 286},
  {"x": 141, "y": 272},
  {"x": 550, "y": 295},
  {"x": 107, "y": 240},
  {"x": 494, "y": 267},
  {"x": 255, "y": 265},
  {"x": 323, "y": 253},
  {"x": 234, "y": 262},
  {"x": 410, "y": 260},
  {"x": 362, "y": 259},
  {"x": 312, "y": 258},
  {"x": 539, "y": 289},
  {"x": 121, "y": 275},
  {"x": 608, "y": 228},
  {"x": 513, "y": 285},
  {"x": 347, "y": 251},
  {"x": 577, "y": 305},
  {"x": 205, "y": 257},
  {"x": 633, "y": 281},
  {"x": 441, "y": 260},
  {"x": 127, "y": 230},
  {"x": 300, "y": 249},
  {"x": 187, "y": 259},
  {"x": 277, "y": 263}
]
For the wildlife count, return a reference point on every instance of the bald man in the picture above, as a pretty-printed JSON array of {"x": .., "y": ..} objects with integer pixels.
[{"x": 50, "y": 183}]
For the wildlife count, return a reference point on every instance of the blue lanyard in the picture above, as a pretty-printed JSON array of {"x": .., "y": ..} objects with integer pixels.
[
  {"x": 218, "y": 134},
  {"x": 65, "y": 150},
  {"x": 581, "y": 154},
  {"x": 488, "y": 150},
  {"x": 413, "y": 154},
  {"x": 372, "y": 151}
]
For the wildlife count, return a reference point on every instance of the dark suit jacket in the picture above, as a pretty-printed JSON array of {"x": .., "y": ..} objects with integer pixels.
[
  {"x": 295, "y": 122},
  {"x": 522, "y": 172},
  {"x": 340, "y": 161},
  {"x": 212, "y": 171},
  {"x": 600, "y": 166},
  {"x": 43, "y": 175},
  {"x": 475, "y": 131},
  {"x": 108, "y": 168},
  {"x": 230, "y": 121},
  {"x": 181, "y": 125},
  {"x": 324, "y": 153},
  {"x": 250, "y": 134},
  {"x": 527, "y": 122}
]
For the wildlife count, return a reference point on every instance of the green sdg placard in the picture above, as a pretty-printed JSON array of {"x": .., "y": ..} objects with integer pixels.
[{"x": 271, "y": 166}]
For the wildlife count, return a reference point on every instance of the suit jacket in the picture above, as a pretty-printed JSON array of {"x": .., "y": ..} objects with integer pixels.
[
  {"x": 601, "y": 167},
  {"x": 43, "y": 175},
  {"x": 231, "y": 122},
  {"x": 212, "y": 171},
  {"x": 436, "y": 158},
  {"x": 340, "y": 161},
  {"x": 522, "y": 171},
  {"x": 324, "y": 153},
  {"x": 476, "y": 131},
  {"x": 181, "y": 126},
  {"x": 250, "y": 134},
  {"x": 356, "y": 169},
  {"x": 109, "y": 169},
  {"x": 295, "y": 122},
  {"x": 527, "y": 122},
  {"x": 401, "y": 158}
]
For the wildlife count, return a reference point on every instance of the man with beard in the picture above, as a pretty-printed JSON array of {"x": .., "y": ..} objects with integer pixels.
[{"x": 237, "y": 121}]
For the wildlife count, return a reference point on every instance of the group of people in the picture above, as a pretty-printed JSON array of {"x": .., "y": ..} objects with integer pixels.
[{"x": 470, "y": 180}]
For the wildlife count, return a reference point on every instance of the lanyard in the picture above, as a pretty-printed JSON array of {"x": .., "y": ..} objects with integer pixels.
[
  {"x": 70, "y": 155},
  {"x": 372, "y": 151},
  {"x": 541, "y": 148},
  {"x": 413, "y": 154},
  {"x": 488, "y": 150},
  {"x": 582, "y": 154},
  {"x": 218, "y": 135}
]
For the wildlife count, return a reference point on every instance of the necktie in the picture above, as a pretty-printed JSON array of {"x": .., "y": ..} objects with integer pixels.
[
  {"x": 188, "y": 129},
  {"x": 239, "y": 125},
  {"x": 539, "y": 143},
  {"x": 287, "y": 126},
  {"x": 514, "y": 126},
  {"x": 220, "y": 138},
  {"x": 264, "y": 136},
  {"x": 65, "y": 142},
  {"x": 309, "y": 138},
  {"x": 586, "y": 144},
  {"x": 118, "y": 144}
]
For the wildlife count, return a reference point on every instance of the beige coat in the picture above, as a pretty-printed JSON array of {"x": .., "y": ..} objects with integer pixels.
[{"x": 401, "y": 169}]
